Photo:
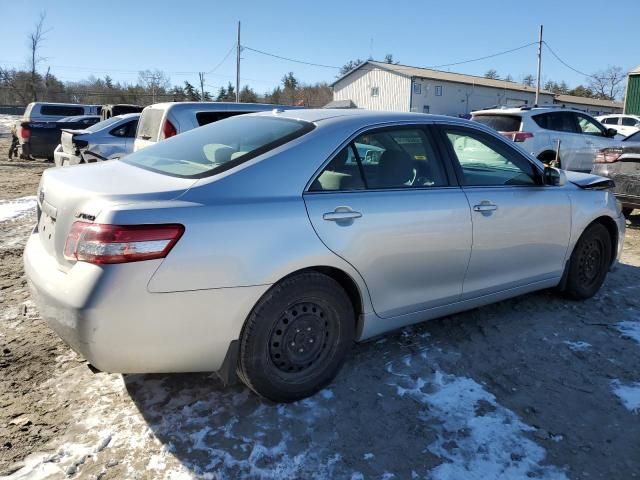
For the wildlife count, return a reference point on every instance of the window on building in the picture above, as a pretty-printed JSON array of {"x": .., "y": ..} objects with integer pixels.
[
  {"x": 375, "y": 91},
  {"x": 438, "y": 90},
  {"x": 425, "y": 109},
  {"x": 417, "y": 88}
]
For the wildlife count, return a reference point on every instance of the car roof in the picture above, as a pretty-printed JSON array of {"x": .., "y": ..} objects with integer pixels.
[
  {"x": 315, "y": 115},
  {"x": 127, "y": 116}
]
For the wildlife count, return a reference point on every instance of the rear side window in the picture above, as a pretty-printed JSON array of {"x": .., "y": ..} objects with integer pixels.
[
  {"x": 149, "y": 124},
  {"x": 558, "y": 121},
  {"x": 61, "y": 110},
  {"x": 215, "y": 148},
  {"x": 205, "y": 118},
  {"x": 629, "y": 122},
  {"x": 388, "y": 158},
  {"x": 501, "y": 123}
]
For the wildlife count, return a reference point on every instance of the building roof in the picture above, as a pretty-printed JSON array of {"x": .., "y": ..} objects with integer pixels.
[
  {"x": 635, "y": 71},
  {"x": 408, "y": 71},
  {"x": 596, "y": 102}
]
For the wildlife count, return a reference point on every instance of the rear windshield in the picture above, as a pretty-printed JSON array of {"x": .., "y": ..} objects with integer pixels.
[
  {"x": 96, "y": 127},
  {"x": 205, "y": 118},
  {"x": 149, "y": 124},
  {"x": 61, "y": 110},
  {"x": 217, "y": 147},
  {"x": 501, "y": 123},
  {"x": 122, "y": 109}
]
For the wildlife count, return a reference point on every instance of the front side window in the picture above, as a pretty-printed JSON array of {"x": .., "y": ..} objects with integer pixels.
[
  {"x": 588, "y": 126},
  {"x": 485, "y": 162},
  {"x": 214, "y": 148},
  {"x": 387, "y": 158}
]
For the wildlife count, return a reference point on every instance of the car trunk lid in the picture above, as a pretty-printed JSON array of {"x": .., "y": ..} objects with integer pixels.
[
  {"x": 66, "y": 140},
  {"x": 82, "y": 192}
]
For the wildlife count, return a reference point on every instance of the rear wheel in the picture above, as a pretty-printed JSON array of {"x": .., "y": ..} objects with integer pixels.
[
  {"x": 296, "y": 338},
  {"x": 589, "y": 263},
  {"x": 627, "y": 211}
]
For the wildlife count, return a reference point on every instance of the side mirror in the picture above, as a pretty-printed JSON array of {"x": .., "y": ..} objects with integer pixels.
[
  {"x": 611, "y": 132},
  {"x": 554, "y": 177}
]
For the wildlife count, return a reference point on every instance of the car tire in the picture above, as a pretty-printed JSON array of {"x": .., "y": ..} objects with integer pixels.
[
  {"x": 296, "y": 338},
  {"x": 589, "y": 263},
  {"x": 627, "y": 211}
]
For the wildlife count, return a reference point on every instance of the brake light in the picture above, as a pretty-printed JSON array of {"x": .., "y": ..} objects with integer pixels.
[
  {"x": 24, "y": 132},
  {"x": 608, "y": 155},
  {"x": 518, "y": 136},
  {"x": 168, "y": 130},
  {"x": 105, "y": 244}
]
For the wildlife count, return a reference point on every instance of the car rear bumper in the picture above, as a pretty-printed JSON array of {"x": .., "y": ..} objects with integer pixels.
[
  {"x": 107, "y": 315},
  {"x": 61, "y": 158}
]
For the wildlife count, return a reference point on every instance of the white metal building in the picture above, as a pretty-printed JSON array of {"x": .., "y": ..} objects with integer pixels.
[
  {"x": 592, "y": 106},
  {"x": 382, "y": 86}
]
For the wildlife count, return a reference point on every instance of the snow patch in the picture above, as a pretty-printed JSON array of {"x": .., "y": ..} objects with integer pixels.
[
  {"x": 629, "y": 394},
  {"x": 577, "y": 346},
  {"x": 10, "y": 209},
  {"x": 630, "y": 329},
  {"x": 474, "y": 445}
]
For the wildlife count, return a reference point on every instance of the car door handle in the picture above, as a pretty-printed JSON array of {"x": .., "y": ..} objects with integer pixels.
[
  {"x": 485, "y": 207},
  {"x": 341, "y": 213}
]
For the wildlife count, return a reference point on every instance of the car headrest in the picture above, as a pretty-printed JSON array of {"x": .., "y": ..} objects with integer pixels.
[{"x": 395, "y": 168}]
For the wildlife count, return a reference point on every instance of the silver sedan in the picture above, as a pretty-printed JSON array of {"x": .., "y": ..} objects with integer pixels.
[{"x": 266, "y": 244}]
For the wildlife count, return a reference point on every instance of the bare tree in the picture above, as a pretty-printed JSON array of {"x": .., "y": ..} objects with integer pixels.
[
  {"x": 492, "y": 74},
  {"x": 607, "y": 84},
  {"x": 35, "y": 44},
  {"x": 154, "y": 80}
]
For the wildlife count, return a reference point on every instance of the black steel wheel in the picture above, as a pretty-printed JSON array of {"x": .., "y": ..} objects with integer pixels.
[
  {"x": 589, "y": 262},
  {"x": 296, "y": 338}
]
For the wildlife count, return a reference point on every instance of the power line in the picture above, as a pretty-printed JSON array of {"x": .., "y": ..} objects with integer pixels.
[
  {"x": 565, "y": 63},
  {"x": 223, "y": 60},
  {"x": 483, "y": 58},
  {"x": 289, "y": 59}
]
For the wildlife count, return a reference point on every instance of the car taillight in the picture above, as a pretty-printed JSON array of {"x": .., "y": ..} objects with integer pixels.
[
  {"x": 168, "y": 130},
  {"x": 608, "y": 155},
  {"x": 104, "y": 244},
  {"x": 24, "y": 132},
  {"x": 517, "y": 136}
]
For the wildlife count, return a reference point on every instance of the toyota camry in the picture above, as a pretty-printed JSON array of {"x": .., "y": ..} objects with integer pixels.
[{"x": 267, "y": 244}]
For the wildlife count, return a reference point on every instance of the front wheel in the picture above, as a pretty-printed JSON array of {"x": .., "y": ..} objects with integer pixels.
[
  {"x": 589, "y": 263},
  {"x": 296, "y": 338}
]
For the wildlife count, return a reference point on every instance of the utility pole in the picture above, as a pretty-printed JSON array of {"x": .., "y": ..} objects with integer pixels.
[
  {"x": 238, "y": 67},
  {"x": 539, "y": 66},
  {"x": 201, "y": 75}
]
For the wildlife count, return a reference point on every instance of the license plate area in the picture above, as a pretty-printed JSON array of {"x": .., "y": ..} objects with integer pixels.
[{"x": 47, "y": 230}]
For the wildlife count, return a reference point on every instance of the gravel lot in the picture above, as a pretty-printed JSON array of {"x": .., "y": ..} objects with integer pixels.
[{"x": 535, "y": 387}]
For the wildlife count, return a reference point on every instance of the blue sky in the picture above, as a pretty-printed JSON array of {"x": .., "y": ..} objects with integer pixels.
[{"x": 181, "y": 38}]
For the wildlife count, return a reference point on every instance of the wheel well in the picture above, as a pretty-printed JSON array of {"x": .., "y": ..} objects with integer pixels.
[
  {"x": 612, "y": 228},
  {"x": 347, "y": 283}
]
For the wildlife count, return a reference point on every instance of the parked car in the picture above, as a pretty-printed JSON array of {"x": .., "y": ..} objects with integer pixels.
[
  {"x": 624, "y": 124},
  {"x": 538, "y": 129},
  {"x": 254, "y": 244},
  {"x": 109, "y": 111},
  {"x": 164, "y": 120},
  {"x": 621, "y": 163},
  {"x": 44, "y": 136},
  {"x": 106, "y": 140}
]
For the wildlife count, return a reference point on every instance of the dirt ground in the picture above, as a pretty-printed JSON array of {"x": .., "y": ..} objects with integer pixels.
[{"x": 534, "y": 387}]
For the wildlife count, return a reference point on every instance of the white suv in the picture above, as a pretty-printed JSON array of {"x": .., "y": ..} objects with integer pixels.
[
  {"x": 538, "y": 129},
  {"x": 625, "y": 124}
]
